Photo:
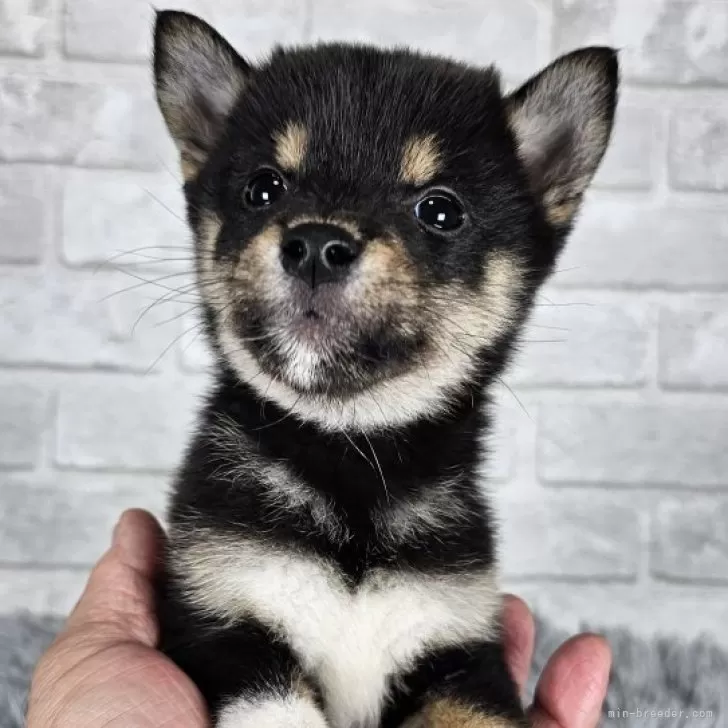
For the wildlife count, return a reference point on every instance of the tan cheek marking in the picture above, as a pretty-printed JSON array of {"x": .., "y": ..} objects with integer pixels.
[
  {"x": 385, "y": 259},
  {"x": 421, "y": 160},
  {"x": 502, "y": 286},
  {"x": 446, "y": 713},
  {"x": 386, "y": 275},
  {"x": 291, "y": 144},
  {"x": 385, "y": 283},
  {"x": 468, "y": 320},
  {"x": 254, "y": 264},
  {"x": 216, "y": 276},
  {"x": 211, "y": 276},
  {"x": 209, "y": 230}
]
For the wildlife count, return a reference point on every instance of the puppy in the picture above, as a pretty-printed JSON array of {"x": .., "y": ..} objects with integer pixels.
[{"x": 370, "y": 230}]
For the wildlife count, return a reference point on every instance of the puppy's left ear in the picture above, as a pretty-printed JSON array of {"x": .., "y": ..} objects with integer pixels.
[
  {"x": 562, "y": 120},
  {"x": 199, "y": 77}
]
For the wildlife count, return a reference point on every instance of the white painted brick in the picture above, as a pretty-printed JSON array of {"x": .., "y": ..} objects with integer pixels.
[
  {"x": 580, "y": 339},
  {"x": 71, "y": 319},
  {"x": 40, "y": 591},
  {"x": 690, "y": 540},
  {"x": 649, "y": 610},
  {"x": 79, "y": 123},
  {"x": 63, "y": 523},
  {"x": 694, "y": 343},
  {"x": 634, "y": 444},
  {"x": 23, "y": 26},
  {"x": 126, "y": 423},
  {"x": 681, "y": 41},
  {"x": 698, "y": 149},
  {"x": 573, "y": 535},
  {"x": 626, "y": 243},
  {"x": 54, "y": 318},
  {"x": 629, "y": 161},
  {"x": 23, "y": 410},
  {"x": 110, "y": 30},
  {"x": 513, "y": 435},
  {"x": 106, "y": 213},
  {"x": 507, "y": 33},
  {"x": 24, "y": 210}
]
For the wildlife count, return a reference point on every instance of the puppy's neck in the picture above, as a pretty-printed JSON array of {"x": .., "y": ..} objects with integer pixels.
[{"x": 353, "y": 467}]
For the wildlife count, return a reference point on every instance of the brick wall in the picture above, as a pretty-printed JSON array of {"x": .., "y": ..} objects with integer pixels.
[{"x": 612, "y": 449}]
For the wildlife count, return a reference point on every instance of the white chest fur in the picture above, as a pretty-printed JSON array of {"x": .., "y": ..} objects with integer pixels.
[{"x": 350, "y": 640}]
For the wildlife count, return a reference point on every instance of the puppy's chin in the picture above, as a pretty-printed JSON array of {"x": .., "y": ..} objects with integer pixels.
[
  {"x": 316, "y": 354},
  {"x": 377, "y": 380}
]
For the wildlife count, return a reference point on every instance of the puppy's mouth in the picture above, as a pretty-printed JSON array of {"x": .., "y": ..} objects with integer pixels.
[
  {"x": 314, "y": 327},
  {"x": 318, "y": 343},
  {"x": 321, "y": 316}
]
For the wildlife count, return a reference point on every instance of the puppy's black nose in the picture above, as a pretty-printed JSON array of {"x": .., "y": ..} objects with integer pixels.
[{"x": 318, "y": 253}]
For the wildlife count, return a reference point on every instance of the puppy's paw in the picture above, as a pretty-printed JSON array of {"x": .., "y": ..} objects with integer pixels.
[
  {"x": 445, "y": 713},
  {"x": 290, "y": 711}
]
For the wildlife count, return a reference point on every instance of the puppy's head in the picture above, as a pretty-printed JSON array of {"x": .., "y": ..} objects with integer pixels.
[{"x": 371, "y": 226}]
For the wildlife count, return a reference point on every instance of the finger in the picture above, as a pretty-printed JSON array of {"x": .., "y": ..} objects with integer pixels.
[
  {"x": 518, "y": 638},
  {"x": 120, "y": 591},
  {"x": 138, "y": 537},
  {"x": 573, "y": 684}
]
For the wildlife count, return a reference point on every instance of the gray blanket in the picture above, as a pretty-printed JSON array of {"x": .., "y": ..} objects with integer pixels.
[{"x": 662, "y": 683}]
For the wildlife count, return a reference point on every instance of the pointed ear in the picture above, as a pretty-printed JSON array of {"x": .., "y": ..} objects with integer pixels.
[
  {"x": 198, "y": 77},
  {"x": 562, "y": 120}
]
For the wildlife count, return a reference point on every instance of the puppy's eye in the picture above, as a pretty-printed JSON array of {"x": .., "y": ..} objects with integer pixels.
[
  {"x": 264, "y": 189},
  {"x": 440, "y": 211}
]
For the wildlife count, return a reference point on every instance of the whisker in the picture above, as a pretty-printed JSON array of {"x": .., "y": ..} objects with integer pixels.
[
  {"x": 163, "y": 299},
  {"x": 515, "y": 396},
  {"x": 166, "y": 168},
  {"x": 289, "y": 413},
  {"x": 145, "y": 282},
  {"x": 165, "y": 206},
  {"x": 563, "y": 305},
  {"x": 200, "y": 331},
  {"x": 544, "y": 341},
  {"x": 177, "y": 316},
  {"x": 165, "y": 350},
  {"x": 379, "y": 466},
  {"x": 122, "y": 253},
  {"x": 550, "y": 328},
  {"x": 353, "y": 444}
]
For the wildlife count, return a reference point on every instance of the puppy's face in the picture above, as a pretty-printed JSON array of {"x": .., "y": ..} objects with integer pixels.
[{"x": 371, "y": 226}]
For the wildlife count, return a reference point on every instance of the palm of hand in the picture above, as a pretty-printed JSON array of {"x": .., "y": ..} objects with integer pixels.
[{"x": 124, "y": 685}]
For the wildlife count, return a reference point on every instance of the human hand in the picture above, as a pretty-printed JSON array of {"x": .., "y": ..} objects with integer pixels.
[
  {"x": 103, "y": 669},
  {"x": 572, "y": 686}
]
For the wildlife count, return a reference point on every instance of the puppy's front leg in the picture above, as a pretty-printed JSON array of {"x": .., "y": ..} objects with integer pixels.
[
  {"x": 471, "y": 688},
  {"x": 248, "y": 678},
  {"x": 291, "y": 707}
]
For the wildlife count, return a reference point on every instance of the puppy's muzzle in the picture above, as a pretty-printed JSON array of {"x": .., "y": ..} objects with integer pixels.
[{"x": 319, "y": 253}]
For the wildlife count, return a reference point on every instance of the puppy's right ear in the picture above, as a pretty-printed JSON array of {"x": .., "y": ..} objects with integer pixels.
[{"x": 198, "y": 77}]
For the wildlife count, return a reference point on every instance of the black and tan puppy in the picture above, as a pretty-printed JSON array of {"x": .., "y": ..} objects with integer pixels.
[{"x": 371, "y": 228}]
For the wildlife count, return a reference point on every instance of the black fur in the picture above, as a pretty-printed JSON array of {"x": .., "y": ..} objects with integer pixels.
[{"x": 359, "y": 106}]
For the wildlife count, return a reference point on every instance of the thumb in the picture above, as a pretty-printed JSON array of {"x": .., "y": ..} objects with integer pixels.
[
  {"x": 119, "y": 600},
  {"x": 573, "y": 685}
]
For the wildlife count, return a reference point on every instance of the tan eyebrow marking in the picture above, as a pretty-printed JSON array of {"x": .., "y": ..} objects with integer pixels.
[
  {"x": 421, "y": 159},
  {"x": 291, "y": 144}
]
